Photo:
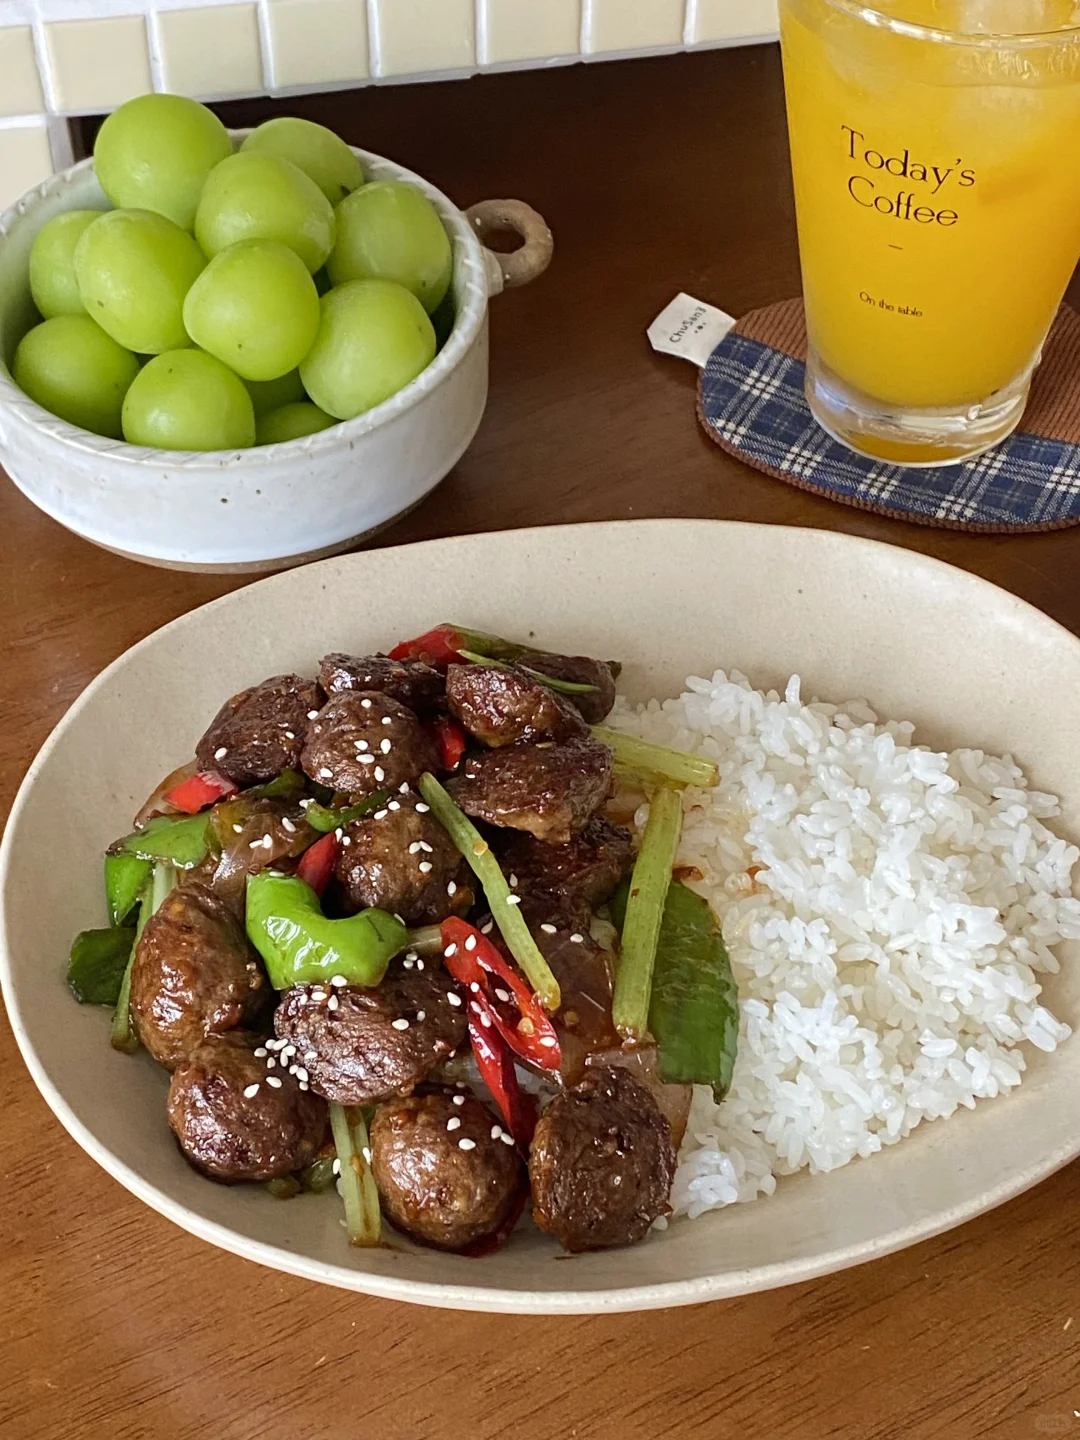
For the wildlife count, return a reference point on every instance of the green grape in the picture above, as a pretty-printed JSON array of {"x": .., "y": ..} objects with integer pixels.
[
  {"x": 155, "y": 153},
  {"x": 256, "y": 308},
  {"x": 317, "y": 151},
  {"x": 390, "y": 231},
  {"x": 73, "y": 369},
  {"x": 188, "y": 400},
  {"x": 290, "y": 422},
  {"x": 134, "y": 269},
  {"x": 374, "y": 337},
  {"x": 267, "y": 395},
  {"x": 261, "y": 197},
  {"x": 52, "y": 263}
]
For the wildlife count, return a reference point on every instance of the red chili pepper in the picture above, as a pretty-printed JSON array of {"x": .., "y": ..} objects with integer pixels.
[
  {"x": 205, "y": 787},
  {"x": 317, "y": 862},
  {"x": 496, "y": 1066},
  {"x": 451, "y": 740},
  {"x": 474, "y": 961},
  {"x": 438, "y": 647}
]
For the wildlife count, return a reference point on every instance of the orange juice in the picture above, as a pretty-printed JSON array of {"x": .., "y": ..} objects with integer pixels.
[{"x": 937, "y": 187}]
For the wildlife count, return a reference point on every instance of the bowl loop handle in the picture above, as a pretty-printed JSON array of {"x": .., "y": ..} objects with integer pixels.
[{"x": 517, "y": 267}]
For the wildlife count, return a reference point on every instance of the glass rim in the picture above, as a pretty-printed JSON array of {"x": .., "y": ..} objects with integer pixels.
[{"x": 912, "y": 29}]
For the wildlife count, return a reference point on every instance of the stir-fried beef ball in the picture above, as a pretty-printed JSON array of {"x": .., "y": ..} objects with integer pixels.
[
  {"x": 445, "y": 1173},
  {"x": 362, "y": 742},
  {"x": 411, "y": 682},
  {"x": 360, "y": 1045},
  {"x": 237, "y": 1120},
  {"x": 549, "y": 790},
  {"x": 261, "y": 731},
  {"x": 601, "y": 1163},
  {"x": 500, "y": 706},
  {"x": 194, "y": 974},
  {"x": 402, "y": 860},
  {"x": 594, "y": 705},
  {"x": 572, "y": 878}
]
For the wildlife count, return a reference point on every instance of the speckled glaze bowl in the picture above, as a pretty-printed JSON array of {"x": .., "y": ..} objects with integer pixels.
[
  {"x": 969, "y": 664},
  {"x": 275, "y": 505}
]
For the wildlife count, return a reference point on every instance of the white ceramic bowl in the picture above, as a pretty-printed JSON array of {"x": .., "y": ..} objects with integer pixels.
[
  {"x": 270, "y": 506},
  {"x": 965, "y": 661}
]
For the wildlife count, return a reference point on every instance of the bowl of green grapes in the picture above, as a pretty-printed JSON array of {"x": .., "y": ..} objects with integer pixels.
[{"x": 239, "y": 351}]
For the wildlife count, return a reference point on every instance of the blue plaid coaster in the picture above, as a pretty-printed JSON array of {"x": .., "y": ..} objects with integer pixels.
[{"x": 751, "y": 403}]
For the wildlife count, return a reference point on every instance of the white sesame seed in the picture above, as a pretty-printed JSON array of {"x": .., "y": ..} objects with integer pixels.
[
  {"x": 366, "y": 1152},
  {"x": 260, "y": 1053},
  {"x": 506, "y": 1139},
  {"x": 338, "y": 980},
  {"x": 270, "y": 1062},
  {"x": 513, "y": 899},
  {"x": 513, "y": 881},
  {"x": 454, "y": 1123},
  {"x": 503, "y": 995},
  {"x": 292, "y": 1069},
  {"x": 380, "y": 773},
  {"x": 548, "y": 1041},
  {"x": 366, "y": 759},
  {"x": 577, "y": 939},
  {"x": 427, "y": 849},
  {"x": 548, "y": 929},
  {"x": 346, "y": 839},
  {"x": 289, "y": 735},
  {"x": 251, "y": 1091},
  {"x": 305, "y": 803},
  {"x": 451, "y": 888},
  {"x": 485, "y": 1019},
  {"x": 332, "y": 1003},
  {"x": 425, "y": 867},
  {"x": 304, "y": 1085},
  {"x": 337, "y": 1167},
  {"x": 487, "y": 929},
  {"x": 300, "y": 1073},
  {"x": 255, "y": 844},
  {"x": 421, "y": 1015},
  {"x": 338, "y": 833},
  {"x": 385, "y": 745},
  {"x": 313, "y": 714},
  {"x": 311, "y": 1055},
  {"x": 496, "y": 1131},
  {"x": 387, "y": 719},
  {"x": 394, "y": 805},
  {"x": 380, "y": 815},
  {"x": 466, "y": 1144},
  {"x": 239, "y": 829},
  {"x": 419, "y": 964},
  {"x": 273, "y": 1082},
  {"x": 450, "y": 950},
  {"x": 326, "y": 773},
  {"x": 221, "y": 753},
  {"x": 288, "y": 1050},
  {"x": 403, "y": 788},
  {"x": 459, "y": 1099},
  {"x": 287, "y": 825},
  {"x": 400, "y": 1024},
  {"x": 470, "y": 942},
  {"x": 422, "y": 809},
  {"x": 414, "y": 848},
  {"x": 365, "y": 704},
  {"x": 409, "y": 964},
  {"x": 360, "y": 744},
  {"x": 454, "y": 999},
  {"x": 410, "y": 955},
  {"x": 475, "y": 987}
]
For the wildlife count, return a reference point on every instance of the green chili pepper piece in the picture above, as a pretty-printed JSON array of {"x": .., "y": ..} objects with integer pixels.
[
  {"x": 289, "y": 785},
  {"x": 300, "y": 945},
  {"x": 183, "y": 843},
  {"x": 97, "y": 964},
  {"x": 125, "y": 879},
  {"x": 324, "y": 818}
]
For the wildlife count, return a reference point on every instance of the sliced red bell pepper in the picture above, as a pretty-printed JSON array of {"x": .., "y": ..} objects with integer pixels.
[
  {"x": 205, "y": 787},
  {"x": 499, "y": 993},
  {"x": 496, "y": 1066},
  {"x": 438, "y": 647},
  {"x": 317, "y": 862},
  {"x": 451, "y": 740}
]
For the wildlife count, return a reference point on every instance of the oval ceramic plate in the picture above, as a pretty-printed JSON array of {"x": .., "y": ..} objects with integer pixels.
[{"x": 967, "y": 662}]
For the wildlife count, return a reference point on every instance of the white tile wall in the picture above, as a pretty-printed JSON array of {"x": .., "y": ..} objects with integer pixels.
[{"x": 70, "y": 57}]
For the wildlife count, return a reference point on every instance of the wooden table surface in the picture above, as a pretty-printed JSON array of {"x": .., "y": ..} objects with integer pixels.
[{"x": 656, "y": 176}]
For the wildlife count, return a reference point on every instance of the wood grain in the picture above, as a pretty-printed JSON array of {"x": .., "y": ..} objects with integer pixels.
[{"x": 655, "y": 176}]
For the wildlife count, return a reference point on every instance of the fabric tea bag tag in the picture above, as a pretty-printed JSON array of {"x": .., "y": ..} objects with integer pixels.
[{"x": 689, "y": 328}]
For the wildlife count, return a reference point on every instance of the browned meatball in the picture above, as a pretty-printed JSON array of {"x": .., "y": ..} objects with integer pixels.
[
  {"x": 261, "y": 731},
  {"x": 237, "y": 1120},
  {"x": 363, "y": 742},
  {"x": 445, "y": 1174},
  {"x": 601, "y": 1163},
  {"x": 360, "y": 1045},
  {"x": 409, "y": 681},
  {"x": 194, "y": 974},
  {"x": 593, "y": 705},
  {"x": 572, "y": 878},
  {"x": 549, "y": 790},
  {"x": 500, "y": 706},
  {"x": 403, "y": 861}
]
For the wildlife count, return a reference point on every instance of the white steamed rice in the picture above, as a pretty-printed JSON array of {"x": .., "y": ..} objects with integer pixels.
[{"x": 888, "y": 951}]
